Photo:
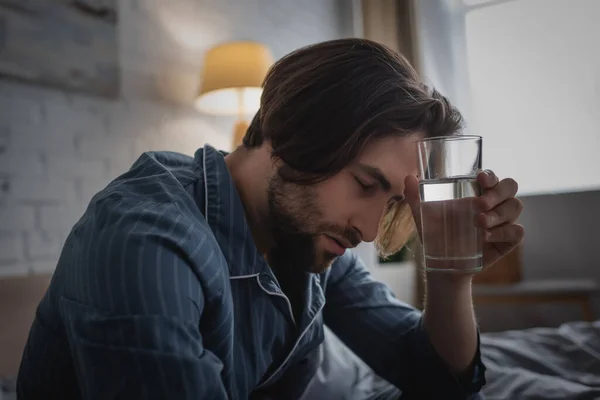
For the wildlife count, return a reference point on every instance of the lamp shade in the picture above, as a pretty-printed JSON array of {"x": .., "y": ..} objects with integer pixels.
[{"x": 232, "y": 78}]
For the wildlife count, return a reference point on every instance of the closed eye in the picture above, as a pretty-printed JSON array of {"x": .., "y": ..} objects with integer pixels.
[{"x": 367, "y": 188}]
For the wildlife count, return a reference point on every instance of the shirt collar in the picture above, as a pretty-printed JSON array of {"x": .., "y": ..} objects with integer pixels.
[
  {"x": 223, "y": 209},
  {"x": 224, "y": 212}
]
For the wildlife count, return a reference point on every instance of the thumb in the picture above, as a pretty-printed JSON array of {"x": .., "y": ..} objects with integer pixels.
[{"x": 411, "y": 194}]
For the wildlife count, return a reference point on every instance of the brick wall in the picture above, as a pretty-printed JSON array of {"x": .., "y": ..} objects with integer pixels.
[{"x": 57, "y": 148}]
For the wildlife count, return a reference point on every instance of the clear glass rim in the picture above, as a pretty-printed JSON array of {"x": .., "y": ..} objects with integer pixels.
[{"x": 450, "y": 138}]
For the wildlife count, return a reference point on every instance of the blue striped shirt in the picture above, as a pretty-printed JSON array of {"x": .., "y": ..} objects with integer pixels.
[{"x": 160, "y": 292}]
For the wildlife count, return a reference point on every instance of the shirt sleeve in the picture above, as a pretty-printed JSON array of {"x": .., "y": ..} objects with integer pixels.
[
  {"x": 390, "y": 337},
  {"x": 134, "y": 332}
]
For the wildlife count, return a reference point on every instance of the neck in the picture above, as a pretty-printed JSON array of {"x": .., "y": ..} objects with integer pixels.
[{"x": 250, "y": 169}]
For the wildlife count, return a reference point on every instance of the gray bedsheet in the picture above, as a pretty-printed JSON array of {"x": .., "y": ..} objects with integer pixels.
[
  {"x": 543, "y": 363},
  {"x": 535, "y": 364}
]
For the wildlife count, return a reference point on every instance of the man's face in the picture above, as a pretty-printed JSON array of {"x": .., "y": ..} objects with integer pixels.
[{"x": 314, "y": 224}]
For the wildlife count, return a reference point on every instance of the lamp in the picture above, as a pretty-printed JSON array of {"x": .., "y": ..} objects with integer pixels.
[{"x": 232, "y": 79}]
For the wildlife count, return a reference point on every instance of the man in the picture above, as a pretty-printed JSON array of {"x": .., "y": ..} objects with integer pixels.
[{"x": 212, "y": 277}]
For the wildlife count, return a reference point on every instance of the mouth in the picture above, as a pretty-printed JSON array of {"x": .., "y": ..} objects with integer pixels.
[{"x": 338, "y": 246}]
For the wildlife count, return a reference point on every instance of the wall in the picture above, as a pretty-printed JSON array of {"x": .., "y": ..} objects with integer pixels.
[
  {"x": 532, "y": 91},
  {"x": 57, "y": 149},
  {"x": 535, "y": 91},
  {"x": 561, "y": 242}
]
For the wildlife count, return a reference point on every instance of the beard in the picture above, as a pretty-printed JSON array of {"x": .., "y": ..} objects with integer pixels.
[{"x": 296, "y": 223}]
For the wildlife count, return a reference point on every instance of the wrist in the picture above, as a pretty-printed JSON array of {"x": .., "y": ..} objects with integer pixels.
[
  {"x": 457, "y": 280},
  {"x": 448, "y": 288},
  {"x": 448, "y": 293}
]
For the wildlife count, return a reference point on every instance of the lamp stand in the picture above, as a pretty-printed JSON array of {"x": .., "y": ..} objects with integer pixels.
[
  {"x": 239, "y": 131},
  {"x": 241, "y": 126}
]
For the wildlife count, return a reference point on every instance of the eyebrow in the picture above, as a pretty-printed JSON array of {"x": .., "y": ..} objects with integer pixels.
[{"x": 376, "y": 174}]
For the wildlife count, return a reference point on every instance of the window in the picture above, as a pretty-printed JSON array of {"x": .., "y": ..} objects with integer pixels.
[{"x": 527, "y": 74}]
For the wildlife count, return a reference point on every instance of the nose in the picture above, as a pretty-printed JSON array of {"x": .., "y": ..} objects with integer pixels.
[{"x": 366, "y": 221}]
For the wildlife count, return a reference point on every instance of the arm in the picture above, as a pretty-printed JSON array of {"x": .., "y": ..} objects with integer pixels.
[
  {"x": 135, "y": 334},
  {"x": 449, "y": 320},
  {"x": 391, "y": 336}
]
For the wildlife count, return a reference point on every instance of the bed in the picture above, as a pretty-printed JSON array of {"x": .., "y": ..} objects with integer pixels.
[
  {"x": 544, "y": 363},
  {"x": 540, "y": 363},
  {"x": 533, "y": 364}
]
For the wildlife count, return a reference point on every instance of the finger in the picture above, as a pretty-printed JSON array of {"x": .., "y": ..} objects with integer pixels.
[
  {"x": 507, "y": 233},
  {"x": 501, "y": 249},
  {"x": 487, "y": 179},
  {"x": 504, "y": 190},
  {"x": 509, "y": 211},
  {"x": 411, "y": 193},
  {"x": 413, "y": 199}
]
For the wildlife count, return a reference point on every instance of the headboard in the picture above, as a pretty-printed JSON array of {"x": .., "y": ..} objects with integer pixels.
[{"x": 19, "y": 298}]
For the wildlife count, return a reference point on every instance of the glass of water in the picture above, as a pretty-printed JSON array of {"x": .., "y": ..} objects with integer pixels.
[{"x": 448, "y": 168}]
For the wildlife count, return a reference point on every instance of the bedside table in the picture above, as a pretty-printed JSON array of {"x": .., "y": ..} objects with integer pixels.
[
  {"x": 503, "y": 283},
  {"x": 540, "y": 291}
]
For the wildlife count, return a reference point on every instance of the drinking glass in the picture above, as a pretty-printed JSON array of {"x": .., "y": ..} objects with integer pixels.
[{"x": 448, "y": 187}]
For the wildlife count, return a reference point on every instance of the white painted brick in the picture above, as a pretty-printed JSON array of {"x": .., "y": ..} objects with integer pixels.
[
  {"x": 70, "y": 118},
  {"x": 18, "y": 91},
  {"x": 100, "y": 148},
  {"x": 148, "y": 143},
  {"x": 41, "y": 191},
  {"x": 100, "y": 107},
  {"x": 22, "y": 164},
  {"x": 17, "y": 218},
  {"x": 89, "y": 189},
  {"x": 57, "y": 218},
  {"x": 4, "y": 188},
  {"x": 118, "y": 167},
  {"x": 42, "y": 245},
  {"x": 137, "y": 119},
  {"x": 11, "y": 248},
  {"x": 13, "y": 270},
  {"x": 72, "y": 167},
  {"x": 4, "y": 139},
  {"x": 40, "y": 138},
  {"x": 43, "y": 267},
  {"x": 186, "y": 134},
  {"x": 75, "y": 206},
  {"x": 20, "y": 110}
]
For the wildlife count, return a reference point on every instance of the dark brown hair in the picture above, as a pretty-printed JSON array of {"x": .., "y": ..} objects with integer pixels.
[{"x": 323, "y": 103}]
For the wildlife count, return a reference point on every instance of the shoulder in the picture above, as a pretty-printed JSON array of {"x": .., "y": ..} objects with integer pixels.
[
  {"x": 151, "y": 202},
  {"x": 120, "y": 224},
  {"x": 148, "y": 224},
  {"x": 153, "y": 198},
  {"x": 141, "y": 257}
]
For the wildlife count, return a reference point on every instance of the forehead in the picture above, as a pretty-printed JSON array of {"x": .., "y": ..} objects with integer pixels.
[{"x": 396, "y": 157}]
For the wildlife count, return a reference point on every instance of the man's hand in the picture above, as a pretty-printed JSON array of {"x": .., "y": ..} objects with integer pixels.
[
  {"x": 499, "y": 211},
  {"x": 496, "y": 211}
]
